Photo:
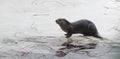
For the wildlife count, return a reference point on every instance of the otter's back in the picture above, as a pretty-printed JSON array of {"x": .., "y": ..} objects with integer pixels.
[{"x": 82, "y": 26}]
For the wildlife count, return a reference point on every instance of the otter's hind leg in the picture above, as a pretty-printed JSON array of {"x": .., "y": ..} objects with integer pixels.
[{"x": 92, "y": 29}]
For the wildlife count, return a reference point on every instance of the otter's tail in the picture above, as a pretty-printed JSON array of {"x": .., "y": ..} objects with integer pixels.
[{"x": 98, "y": 36}]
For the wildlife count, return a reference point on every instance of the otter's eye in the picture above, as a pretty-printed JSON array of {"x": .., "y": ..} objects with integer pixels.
[{"x": 59, "y": 20}]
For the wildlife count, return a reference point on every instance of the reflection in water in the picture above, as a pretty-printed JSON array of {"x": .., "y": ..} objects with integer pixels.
[{"x": 116, "y": 47}]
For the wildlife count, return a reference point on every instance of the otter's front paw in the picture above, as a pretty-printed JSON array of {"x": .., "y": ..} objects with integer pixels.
[{"x": 67, "y": 36}]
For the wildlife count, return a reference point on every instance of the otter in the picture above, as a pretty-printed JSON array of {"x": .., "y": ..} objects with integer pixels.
[{"x": 83, "y": 26}]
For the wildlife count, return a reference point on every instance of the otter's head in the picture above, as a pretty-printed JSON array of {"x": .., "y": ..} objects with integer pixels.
[{"x": 62, "y": 22}]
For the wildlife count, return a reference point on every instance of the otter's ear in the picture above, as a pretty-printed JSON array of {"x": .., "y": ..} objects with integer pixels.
[{"x": 66, "y": 21}]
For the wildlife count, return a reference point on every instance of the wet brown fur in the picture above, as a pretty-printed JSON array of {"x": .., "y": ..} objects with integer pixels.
[{"x": 85, "y": 27}]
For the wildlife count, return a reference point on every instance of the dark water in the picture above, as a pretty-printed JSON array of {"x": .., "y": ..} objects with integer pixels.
[{"x": 115, "y": 53}]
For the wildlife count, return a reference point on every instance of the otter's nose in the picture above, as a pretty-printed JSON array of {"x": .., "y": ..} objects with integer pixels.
[{"x": 57, "y": 21}]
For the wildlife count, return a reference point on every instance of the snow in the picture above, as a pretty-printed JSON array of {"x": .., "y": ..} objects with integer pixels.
[{"x": 26, "y": 25}]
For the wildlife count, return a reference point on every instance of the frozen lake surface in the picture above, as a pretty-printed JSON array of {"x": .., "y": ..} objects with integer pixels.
[{"x": 25, "y": 25}]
